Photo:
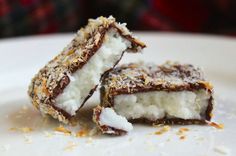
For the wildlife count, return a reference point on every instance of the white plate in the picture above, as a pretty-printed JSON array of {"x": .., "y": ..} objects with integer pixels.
[{"x": 21, "y": 58}]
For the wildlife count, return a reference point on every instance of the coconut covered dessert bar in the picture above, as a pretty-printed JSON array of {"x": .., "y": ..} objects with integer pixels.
[
  {"x": 171, "y": 93},
  {"x": 63, "y": 85},
  {"x": 109, "y": 122}
]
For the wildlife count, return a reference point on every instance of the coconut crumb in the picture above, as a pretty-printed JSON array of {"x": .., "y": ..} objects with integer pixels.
[
  {"x": 82, "y": 133},
  {"x": 62, "y": 130},
  {"x": 23, "y": 129},
  {"x": 222, "y": 150},
  {"x": 182, "y": 137},
  {"x": 216, "y": 125},
  {"x": 164, "y": 129},
  {"x": 157, "y": 125},
  {"x": 70, "y": 146},
  {"x": 182, "y": 130},
  {"x": 26, "y": 129}
]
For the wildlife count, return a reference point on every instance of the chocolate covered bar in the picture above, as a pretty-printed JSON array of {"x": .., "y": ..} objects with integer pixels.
[
  {"x": 171, "y": 93},
  {"x": 109, "y": 122},
  {"x": 63, "y": 85}
]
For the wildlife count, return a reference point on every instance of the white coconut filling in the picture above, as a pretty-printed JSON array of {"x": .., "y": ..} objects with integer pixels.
[
  {"x": 158, "y": 104},
  {"x": 109, "y": 118},
  {"x": 86, "y": 78}
]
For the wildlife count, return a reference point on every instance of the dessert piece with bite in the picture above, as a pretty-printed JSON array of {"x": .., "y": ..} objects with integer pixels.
[
  {"x": 171, "y": 93},
  {"x": 63, "y": 85}
]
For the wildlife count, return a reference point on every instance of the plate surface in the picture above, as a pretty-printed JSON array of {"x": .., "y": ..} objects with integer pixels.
[{"x": 21, "y": 58}]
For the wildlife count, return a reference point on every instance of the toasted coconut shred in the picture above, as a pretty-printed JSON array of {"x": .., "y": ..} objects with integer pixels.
[
  {"x": 63, "y": 130},
  {"x": 216, "y": 125},
  {"x": 22, "y": 129},
  {"x": 82, "y": 133},
  {"x": 163, "y": 130}
]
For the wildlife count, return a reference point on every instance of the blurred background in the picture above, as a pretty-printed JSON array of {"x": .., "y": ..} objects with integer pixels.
[{"x": 31, "y": 17}]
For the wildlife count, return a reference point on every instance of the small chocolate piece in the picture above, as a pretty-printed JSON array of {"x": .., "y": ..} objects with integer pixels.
[
  {"x": 62, "y": 87},
  {"x": 109, "y": 122},
  {"x": 171, "y": 93}
]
